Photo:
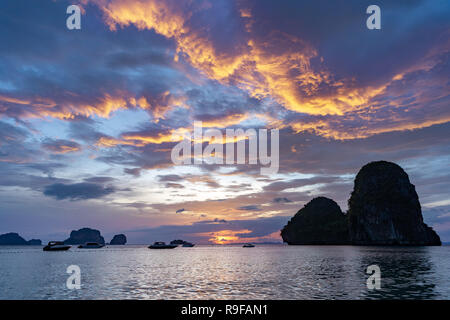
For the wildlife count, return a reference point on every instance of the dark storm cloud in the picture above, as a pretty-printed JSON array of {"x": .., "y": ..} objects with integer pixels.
[{"x": 77, "y": 191}]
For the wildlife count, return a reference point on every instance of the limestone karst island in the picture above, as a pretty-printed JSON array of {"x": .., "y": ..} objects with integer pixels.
[{"x": 383, "y": 209}]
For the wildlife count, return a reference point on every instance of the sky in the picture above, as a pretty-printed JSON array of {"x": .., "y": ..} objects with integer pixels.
[{"x": 87, "y": 117}]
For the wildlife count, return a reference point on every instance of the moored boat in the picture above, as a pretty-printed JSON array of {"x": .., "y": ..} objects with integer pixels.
[
  {"x": 56, "y": 246},
  {"x": 248, "y": 245},
  {"x": 162, "y": 245},
  {"x": 91, "y": 245},
  {"x": 188, "y": 245}
]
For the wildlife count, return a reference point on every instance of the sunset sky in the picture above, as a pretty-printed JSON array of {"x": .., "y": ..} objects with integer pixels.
[{"x": 87, "y": 116}]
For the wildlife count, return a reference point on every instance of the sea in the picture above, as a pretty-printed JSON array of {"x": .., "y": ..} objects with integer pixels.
[{"x": 226, "y": 272}]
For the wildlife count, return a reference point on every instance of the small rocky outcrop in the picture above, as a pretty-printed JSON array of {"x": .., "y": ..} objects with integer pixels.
[
  {"x": 119, "y": 239},
  {"x": 34, "y": 242},
  {"x": 85, "y": 235},
  {"x": 14, "y": 239},
  {"x": 384, "y": 208},
  {"x": 320, "y": 221}
]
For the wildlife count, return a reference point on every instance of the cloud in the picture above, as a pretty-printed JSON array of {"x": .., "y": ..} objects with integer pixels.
[
  {"x": 174, "y": 185},
  {"x": 283, "y": 185},
  {"x": 133, "y": 171},
  {"x": 61, "y": 146},
  {"x": 170, "y": 177},
  {"x": 17, "y": 144},
  {"x": 100, "y": 83},
  {"x": 180, "y": 210},
  {"x": 250, "y": 208},
  {"x": 77, "y": 191},
  {"x": 99, "y": 180},
  {"x": 281, "y": 200},
  {"x": 294, "y": 77}
]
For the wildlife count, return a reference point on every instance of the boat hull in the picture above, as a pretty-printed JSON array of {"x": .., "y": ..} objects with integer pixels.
[
  {"x": 89, "y": 247},
  {"x": 163, "y": 247},
  {"x": 60, "y": 248}
]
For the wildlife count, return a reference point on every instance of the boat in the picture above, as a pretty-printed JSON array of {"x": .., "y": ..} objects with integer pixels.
[
  {"x": 162, "y": 245},
  {"x": 91, "y": 245},
  {"x": 248, "y": 245},
  {"x": 56, "y": 246},
  {"x": 188, "y": 245}
]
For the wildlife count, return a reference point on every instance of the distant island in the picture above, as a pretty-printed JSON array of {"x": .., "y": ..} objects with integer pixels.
[
  {"x": 384, "y": 209},
  {"x": 118, "y": 239},
  {"x": 80, "y": 236},
  {"x": 85, "y": 235},
  {"x": 14, "y": 239}
]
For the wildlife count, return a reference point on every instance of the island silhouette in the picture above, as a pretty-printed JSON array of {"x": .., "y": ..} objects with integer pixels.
[{"x": 384, "y": 209}]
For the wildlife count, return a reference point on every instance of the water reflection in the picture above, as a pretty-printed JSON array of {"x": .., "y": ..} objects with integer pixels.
[
  {"x": 207, "y": 272},
  {"x": 406, "y": 273}
]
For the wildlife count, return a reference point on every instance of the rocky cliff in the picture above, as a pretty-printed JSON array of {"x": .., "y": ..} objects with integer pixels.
[
  {"x": 119, "y": 239},
  {"x": 85, "y": 235},
  {"x": 384, "y": 208},
  {"x": 320, "y": 221}
]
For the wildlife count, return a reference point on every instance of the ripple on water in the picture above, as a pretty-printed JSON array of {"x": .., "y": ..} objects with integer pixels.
[{"x": 214, "y": 272}]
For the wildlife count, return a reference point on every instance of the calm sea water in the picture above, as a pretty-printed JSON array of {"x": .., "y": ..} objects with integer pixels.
[{"x": 226, "y": 272}]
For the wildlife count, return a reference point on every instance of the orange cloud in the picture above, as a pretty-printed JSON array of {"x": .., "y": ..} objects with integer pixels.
[
  {"x": 63, "y": 149},
  {"x": 275, "y": 67},
  {"x": 103, "y": 106},
  {"x": 42, "y": 107},
  {"x": 259, "y": 67},
  {"x": 13, "y": 100},
  {"x": 109, "y": 142},
  {"x": 157, "y": 138}
]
